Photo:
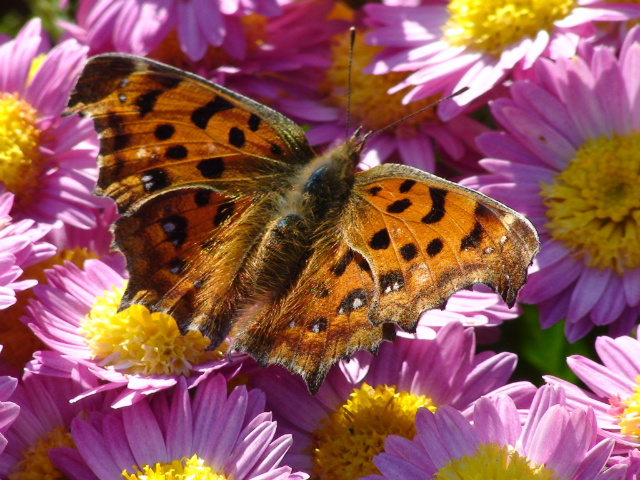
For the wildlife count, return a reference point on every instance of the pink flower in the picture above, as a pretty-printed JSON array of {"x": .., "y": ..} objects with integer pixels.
[
  {"x": 554, "y": 442},
  {"x": 136, "y": 351},
  {"x": 8, "y": 410},
  {"x": 212, "y": 435},
  {"x": 364, "y": 400},
  {"x": 48, "y": 161},
  {"x": 138, "y": 26},
  {"x": 20, "y": 247},
  {"x": 459, "y": 44},
  {"x": 569, "y": 161}
]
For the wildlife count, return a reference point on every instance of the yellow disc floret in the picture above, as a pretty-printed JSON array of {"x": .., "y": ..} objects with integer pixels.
[
  {"x": 137, "y": 341},
  {"x": 593, "y": 205},
  {"x": 184, "y": 469},
  {"x": 349, "y": 438},
  {"x": 35, "y": 463},
  {"x": 490, "y": 461},
  {"x": 489, "y": 26},
  {"x": 20, "y": 158}
]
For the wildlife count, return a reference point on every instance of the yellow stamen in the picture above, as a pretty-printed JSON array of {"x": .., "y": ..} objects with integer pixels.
[
  {"x": 350, "y": 437},
  {"x": 630, "y": 418},
  {"x": 490, "y": 26},
  {"x": 184, "y": 469},
  {"x": 20, "y": 158},
  {"x": 490, "y": 461},
  {"x": 35, "y": 463},
  {"x": 371, "y": 105},
  {"x": 136, "y": 341},
  {"x": 593, "y": 205}
]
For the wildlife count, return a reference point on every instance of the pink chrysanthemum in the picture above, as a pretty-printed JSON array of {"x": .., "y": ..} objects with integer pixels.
[
  {"x": 138, "y": 26},
  {"x": 337, "y": 432},
  {"x": 554, "y": 442},
  {"x": 20, "y": 247},
  {"x": 47, "y": 161},
  {"x": 8, "y": 410},
  {"x": 76, "y": 315},
  {"x": 616, "y": 389},
  {"x": 215, "y": 435},
  {"x": 476, "y": 43},
  {"x": 43, "y": 422},
  {"x": 569, "y": 161}
]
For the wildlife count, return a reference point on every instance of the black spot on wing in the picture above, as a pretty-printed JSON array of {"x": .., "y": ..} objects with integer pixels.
[
  {"x": 380, "y": 240},
  {"x": 318, "y": 325},
  {"x": 473, "y": 239},
  {"x": 341, "y": 265},
  {"x": 154, "y": 180},
  {"x": 353, "y": 301},
  {"x": 146, "y": 102},
  {"x": 175, "y": 229},
  {"x": 391, "y": 282},
  {"x": 399, "y": 206},
  {"x": 434, "y": 247},
  {"x": 164, "y": 131},
  {"x": 373, "y": 191},
  {"x": 224, "y": 212},
  {"x": 202, "y": 198},
  {"x": 437, "y": 206},
  {"x": 211, "y": 167},
  {"x": 177, "y": 152},
  {"x": 254, "y": 122},
  {"x": 236, "y": 137},
  {"x": 201, "y": 115},
  {"x": 406, "y": 186},
  {"x": 409, "y": 251}
]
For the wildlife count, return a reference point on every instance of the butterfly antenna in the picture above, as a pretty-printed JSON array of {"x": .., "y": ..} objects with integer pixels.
[
  {"x": 352, "y": 41},
  {"x": 393, "y": 124}
]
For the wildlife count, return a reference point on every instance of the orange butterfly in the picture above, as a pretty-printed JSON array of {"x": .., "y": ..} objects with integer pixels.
[{"x": 232, "y": 225}]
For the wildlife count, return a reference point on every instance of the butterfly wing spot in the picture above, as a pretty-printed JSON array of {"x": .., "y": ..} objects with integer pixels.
[
  {"x": 201, "y": 115},
  {"x": 176, "y": 152},
  {"x": 340, "y": 267},
  {"x": 353, "y": 301},
  {"x": 236, "y": 137},
  {"x": 254, "y": 122},
  {"x": 164, "y": 131},
  {"x": 380, "y": 240},
  {"x": 473, "y": 239},
  {"x": 202, "y": 198},
  {"x": 391, "y": 282},
  {"x": 373, "y": 191},
  {"x": 225, "y": 211},
  {"x": 146, "y": 102},
  {"x": 437, "y": 211},
  {"x": 406, "y": 186},
  {"x": 409, "y": 251},
  {"x": 176, "y": 266},
  {"x": 399, "y": 206},
  {"x": 276, "y": 150},
  {"x": 154, "y": 180},
  {"x": 318, "y": 325},
  {"x": 211, "y": 168},
  {"x": 175, "y": 229},
  {"x": 434, "y": 247}
]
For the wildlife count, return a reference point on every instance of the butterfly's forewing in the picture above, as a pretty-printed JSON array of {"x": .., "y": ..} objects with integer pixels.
[
  {"x": 321, "y": 320},
  {"x": 426, "y": 238},
  {"x": 194, "y": 168},
  {"x": 162, "y": 128}
]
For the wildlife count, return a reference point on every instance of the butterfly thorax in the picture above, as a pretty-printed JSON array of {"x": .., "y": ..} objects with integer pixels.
[{"x": 308, "y": 209}]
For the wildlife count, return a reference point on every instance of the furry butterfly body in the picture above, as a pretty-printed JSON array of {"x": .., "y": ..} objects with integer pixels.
[{"x": 231, "y": 224}]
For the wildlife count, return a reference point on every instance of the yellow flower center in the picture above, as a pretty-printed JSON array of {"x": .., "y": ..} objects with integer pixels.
[
  {"x": 630, "y": 418},
  {"x": 184, "y": 469},
  {"x": 348, "y": 439},
  {"x": 35, "y": 463},
  {"x": 490, "y": 26},
  {"x": 371, "y": 105},
  {"x": 593, "y": 205},
  {"x": 20, "y": 158},
  {"x": 490, "y": 461},
  {"x": 136, "y": 341}
]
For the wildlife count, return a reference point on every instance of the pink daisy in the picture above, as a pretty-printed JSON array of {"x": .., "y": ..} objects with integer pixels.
[
  {"x": 139, "y": 26},
  {"x": 43, "y": 422},
  {"x": 8, "y": 410},
  {"x": 76, "y": 315},
  {"x": 569, "y": 161},
  {"x": 475, "y": 44},
  {"x": 212, "y": 435},
  {"x": 337, "y": 432},
  {"x": 554, "y": 442},
  {"x": 20, "y": 247},
  {"x": 615, "y": 386},
  {"x": 48, "y": 162}
]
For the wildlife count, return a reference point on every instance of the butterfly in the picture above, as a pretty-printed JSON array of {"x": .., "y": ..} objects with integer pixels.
[{"x": 235, "y": 227}]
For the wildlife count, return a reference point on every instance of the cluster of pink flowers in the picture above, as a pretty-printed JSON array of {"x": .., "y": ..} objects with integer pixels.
[{"x": 549, "y": 125}]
